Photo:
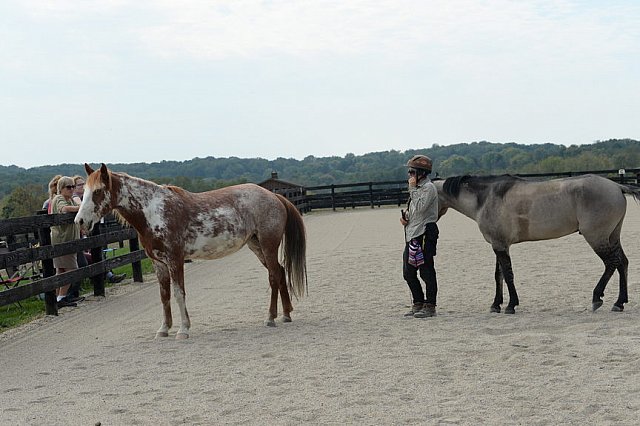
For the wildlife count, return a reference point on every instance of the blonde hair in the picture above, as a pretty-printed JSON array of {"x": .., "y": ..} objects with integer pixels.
[
  {"x": 64, "y": 181},
  {"x": 53, "y": 186},
  {"x": 75, "y": 179}
]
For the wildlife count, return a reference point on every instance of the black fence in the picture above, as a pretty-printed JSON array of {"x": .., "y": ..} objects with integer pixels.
[
  {"x": 376, "y": 194},
  {"x": 28, "y": 241},
  {"x": 370, "y": 194}
]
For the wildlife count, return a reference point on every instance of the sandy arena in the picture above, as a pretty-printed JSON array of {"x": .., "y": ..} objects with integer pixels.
[{"x": 349, "y": 357}]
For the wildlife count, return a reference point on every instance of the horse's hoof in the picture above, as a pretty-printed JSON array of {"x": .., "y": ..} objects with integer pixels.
[
  {"x": 182, "y": 336},
  {"x": 617, "y": 308},
  {"x": 270, "y": 322},
  {"x": 161, "y": 334},
  {"x": 495, "y": 309},
  {"x": 596, "y": 305},
  {"x": 510, "y": 310},
  {"x": 286, "y": 318}
]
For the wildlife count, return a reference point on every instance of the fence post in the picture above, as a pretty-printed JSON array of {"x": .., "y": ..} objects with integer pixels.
[
  {"x": 50, "y": 303},
  {"x": 621, "y": 173},
  {"x": 371, "y": 193},
  {"x": 134, "y": 245},
  {"x": 97, "y": 281},
  {"x": 333, "y": 197}
]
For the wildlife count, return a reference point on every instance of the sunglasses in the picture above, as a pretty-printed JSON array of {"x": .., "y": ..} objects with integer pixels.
[
  {"x": 411, "y": 172},
  {"x": 70, "y": 187}
]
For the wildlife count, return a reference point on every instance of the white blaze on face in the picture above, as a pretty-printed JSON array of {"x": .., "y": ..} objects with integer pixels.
[{"x": 87, "y": 212}]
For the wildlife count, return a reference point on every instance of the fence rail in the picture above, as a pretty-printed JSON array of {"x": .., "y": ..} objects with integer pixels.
[{"x": 41, "y": 250}]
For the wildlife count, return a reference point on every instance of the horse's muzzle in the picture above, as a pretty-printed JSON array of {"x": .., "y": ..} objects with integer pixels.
[{"x": 88, "y": 226}]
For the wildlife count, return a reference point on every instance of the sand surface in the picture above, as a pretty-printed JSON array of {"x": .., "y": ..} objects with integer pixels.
[{"x": 349, "y": 356}]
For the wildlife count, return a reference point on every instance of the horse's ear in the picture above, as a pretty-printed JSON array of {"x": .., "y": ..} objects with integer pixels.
[
  {"x": 88, "y": 169},
  {"x": 104, "y": 174}
]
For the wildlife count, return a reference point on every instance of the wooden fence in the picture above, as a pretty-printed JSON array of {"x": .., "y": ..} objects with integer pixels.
[
  {"x": 378, "y": 194},
  {"x": 41, "y": 250},
  {"x": 354, "y": 195}
]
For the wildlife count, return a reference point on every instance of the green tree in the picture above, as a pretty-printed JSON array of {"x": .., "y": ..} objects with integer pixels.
[{"x": 23, "y": 201}]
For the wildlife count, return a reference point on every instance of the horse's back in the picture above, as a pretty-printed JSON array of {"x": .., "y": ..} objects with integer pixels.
[
  {"x": 223, "y": 220},
  {"x": 588, "y": 193},
  {"x": 587, "y": 203},
  {"x": 245, "y": 196},
  {"x": 540, "y": 210}
]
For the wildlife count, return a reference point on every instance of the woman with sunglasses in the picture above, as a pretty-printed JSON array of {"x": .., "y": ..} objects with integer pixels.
[
  {"x": 63, "y": 203},
  {"x": 421, "y": 238}
]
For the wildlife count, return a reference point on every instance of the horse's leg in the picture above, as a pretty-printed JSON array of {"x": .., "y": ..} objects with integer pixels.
[
  {"x": 277, "y": 282},
  {"x": 497, "y": 301},
  {"x": 177, "y": 276},
  {"x": 613, "y": 259},
  {"x": 287, "y": 307},
  {"x": 611, "y": 263},
  {"x": 623, "y": 297},
  {"x": 507, "y": 272},
  {"x": 164, "y": 279},
  {"x": 254, "y": 245}
]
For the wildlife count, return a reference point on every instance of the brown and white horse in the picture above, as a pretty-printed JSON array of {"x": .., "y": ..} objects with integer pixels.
[{"x": 174, "y": 225}]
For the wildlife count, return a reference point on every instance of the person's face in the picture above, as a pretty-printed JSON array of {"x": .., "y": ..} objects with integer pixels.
[
  {"x": 79, "y": 186},
  {"x": 67, "y": 190}
]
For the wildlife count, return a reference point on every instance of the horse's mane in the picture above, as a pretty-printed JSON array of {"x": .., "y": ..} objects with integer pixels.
[
  {"x": 479, "y": 184},
  {"x": 176, "y": 189}
]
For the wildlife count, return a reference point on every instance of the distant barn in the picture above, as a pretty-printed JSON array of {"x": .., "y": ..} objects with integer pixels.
[{"x": 292, "y": 191}]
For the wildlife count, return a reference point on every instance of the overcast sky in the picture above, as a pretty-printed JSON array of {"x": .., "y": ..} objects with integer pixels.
[{"x": 150, "y": 80}]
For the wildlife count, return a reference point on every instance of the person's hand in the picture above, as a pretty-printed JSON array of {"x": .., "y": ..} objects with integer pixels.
[
  {"x": 403, "y": 221},
  {"x": 412, "y": 182}
]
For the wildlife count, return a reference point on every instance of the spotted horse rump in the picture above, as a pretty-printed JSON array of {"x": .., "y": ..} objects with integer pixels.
[{"x": 174, "y": 225}]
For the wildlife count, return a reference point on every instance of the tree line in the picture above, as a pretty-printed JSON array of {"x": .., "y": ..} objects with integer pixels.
[{"x": 22, "y": 191}]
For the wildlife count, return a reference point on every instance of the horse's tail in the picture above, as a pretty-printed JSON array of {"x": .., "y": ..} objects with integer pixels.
[
  {"x": 294, "y": 250},
  {"x": 631, "y": 190}
]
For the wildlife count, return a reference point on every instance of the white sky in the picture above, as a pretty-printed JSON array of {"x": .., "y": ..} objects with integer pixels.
[{"x": 150, "y": 80}]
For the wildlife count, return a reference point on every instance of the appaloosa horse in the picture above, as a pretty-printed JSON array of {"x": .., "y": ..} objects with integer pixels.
[
  {"x": 510, "y": 210},
  {"x": 174, "y": 225}
]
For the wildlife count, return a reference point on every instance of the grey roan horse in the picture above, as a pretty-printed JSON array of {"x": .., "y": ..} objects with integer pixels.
[{"x": 510, "y": 210}]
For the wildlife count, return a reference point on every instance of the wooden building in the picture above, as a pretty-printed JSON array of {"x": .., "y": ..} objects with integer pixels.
[{"x": 292, "y": 191}]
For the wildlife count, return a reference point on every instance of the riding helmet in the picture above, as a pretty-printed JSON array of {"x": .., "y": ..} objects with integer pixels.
[{"x": 420, "y": 162}]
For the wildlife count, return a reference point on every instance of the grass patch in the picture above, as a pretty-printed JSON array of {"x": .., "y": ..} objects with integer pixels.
[{"x": 14, "y": 315}]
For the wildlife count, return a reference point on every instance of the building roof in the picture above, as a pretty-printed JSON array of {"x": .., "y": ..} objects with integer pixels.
[{"x": 274, "y": 182}]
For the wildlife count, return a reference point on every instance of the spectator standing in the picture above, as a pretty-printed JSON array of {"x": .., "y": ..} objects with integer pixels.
[
  {"x": 63, "y": 203},
  {"x": 82, "y": 256},
  {"x": 78, "y": 192},
  {"x": 53, "y": 191}
]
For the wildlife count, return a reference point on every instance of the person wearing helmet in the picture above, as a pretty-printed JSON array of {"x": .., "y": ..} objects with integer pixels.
[{"x": 421, "y": 238}]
